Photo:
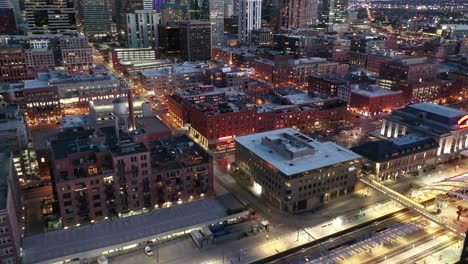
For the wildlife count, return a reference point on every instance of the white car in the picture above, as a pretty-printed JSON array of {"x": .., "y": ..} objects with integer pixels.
[{"x": 148, "y": 251}]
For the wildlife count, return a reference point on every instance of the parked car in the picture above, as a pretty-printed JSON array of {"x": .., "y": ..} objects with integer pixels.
[{"x": 148, "y": 251}]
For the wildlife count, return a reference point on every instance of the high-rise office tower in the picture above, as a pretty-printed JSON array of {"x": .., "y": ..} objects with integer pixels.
[
  {"x": 142, "y": 29},
  {"x": 149, "y": 5},
  {"x": 94, "y": 17},
  {"x": 292, "y": 13},
  {"x": 51, "y": 16},
  {"x": 15, "y": 4},
  {"x": 198, "y": 9},
  {"x": 123, "y": 7},
  {"x": 8, "y": 24},
  {"x": 332, "y": 13},
  {"x": 311, "y": 13},
  {"x": 209, "y": 10},
  {"x": 217, "y": 22},
  {"x": 250, "y": 18},
  {"x": 172, "y": 13},
  {"x": 158, "y": 4},
  {"x": 228, "y": 8},
  {"x": 195, "y": 40}
]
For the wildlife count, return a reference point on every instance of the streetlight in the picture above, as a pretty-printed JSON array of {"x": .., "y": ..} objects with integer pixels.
[{"x": 157, "y": 251}]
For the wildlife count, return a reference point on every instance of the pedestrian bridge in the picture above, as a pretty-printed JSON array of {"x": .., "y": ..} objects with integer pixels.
[{"x": 409, "y": 203}]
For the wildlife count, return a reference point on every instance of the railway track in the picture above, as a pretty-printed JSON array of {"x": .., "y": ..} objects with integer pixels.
[{"x": 336, "y": 239}]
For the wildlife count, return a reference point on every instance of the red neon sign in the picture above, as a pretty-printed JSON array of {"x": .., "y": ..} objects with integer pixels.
[
  {"x": 463, "y": 122},
  {"x": 225, "y": 138}
]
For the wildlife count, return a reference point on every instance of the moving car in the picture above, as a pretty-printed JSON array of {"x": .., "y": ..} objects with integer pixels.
[{"x": 148, "y": 251}]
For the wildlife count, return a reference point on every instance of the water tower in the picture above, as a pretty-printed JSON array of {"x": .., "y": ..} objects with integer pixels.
[{"x": 121, "y": 117}]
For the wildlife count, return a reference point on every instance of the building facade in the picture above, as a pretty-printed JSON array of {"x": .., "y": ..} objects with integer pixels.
[
  {"x": 217, "y": 23},
  {"x": 56, "y": 16},
  {"x": 292, "y": 14},
  {"x": 97, "y": 175},
  {"x": 94, "y": 17},
  {"x": 10, "y": 212},
  {"x": 332, "y": 13},
  {"x": 142, "y": 29},
  {"x": 8, "y": 24},
  {"x": 373, "y": 100},
  {"x": 76, "y": 53},
  {"x": 165, "y": 81},
  {"x": 216, "y": 120},
  {"x": 13, "y": 67},
  {"x": 195, "y": 39},
  {"x": 389, "y": 159},
  {"x": 249, "y": 18},
  {"x": 447, "y": 126},
  {"x": 407, "y": 71}
]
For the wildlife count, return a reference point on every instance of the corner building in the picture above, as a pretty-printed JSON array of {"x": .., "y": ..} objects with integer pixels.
[{"x": 294, "y": 172}]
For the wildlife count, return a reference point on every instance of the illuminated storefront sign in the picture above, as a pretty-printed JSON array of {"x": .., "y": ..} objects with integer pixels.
[{"x": 463, "y": 122}]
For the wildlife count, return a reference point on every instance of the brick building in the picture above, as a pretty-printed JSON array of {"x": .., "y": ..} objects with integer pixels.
[
  {"x": 373, "y": 100},
  {"x": 216, "y": 118},
  {"x": 99, "y": 174},
  {"x": 41, "y": 102},
  {"x": 13, "y": 67},
  {"x": 297, "y": 72},
  {"x": 407, "y": 71},
  {"x": 327, "y": 84}
]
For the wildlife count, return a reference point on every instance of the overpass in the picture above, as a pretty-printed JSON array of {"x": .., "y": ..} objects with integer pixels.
[{"x": 409, "y": 203}]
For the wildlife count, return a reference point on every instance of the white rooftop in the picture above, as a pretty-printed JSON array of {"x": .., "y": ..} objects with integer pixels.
[
  {"x": 438, "y": 109},
  {"x": 306, "y": 60},
  {"x": 76, "y": 121},
  {"x": 173, "y": 70},
  {"x": 295, "y": 99},
  {"x": 324, "y": 154},
  {"x": 374, "y": 91}
]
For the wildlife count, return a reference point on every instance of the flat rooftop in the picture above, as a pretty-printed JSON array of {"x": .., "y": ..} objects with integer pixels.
[
  {"x": 202, "y": 90},
  {"x": 303, "y": 100},
  {"x": 374, "y": 91},
  {"x": 152, "y": 125},
  {"x": 429, "y": 117},
  {"x": 76, "y": 120},
  {"x": 64, "y": 244},
  {"x": 306, "y": 60},
  {"x": 323, "y": 154},
  {"x": 438, "y": 109},
  {"x": 176, "y": 152},
  {"x": 173, "y": 70},
  {"x": 388, "y": 149}
]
